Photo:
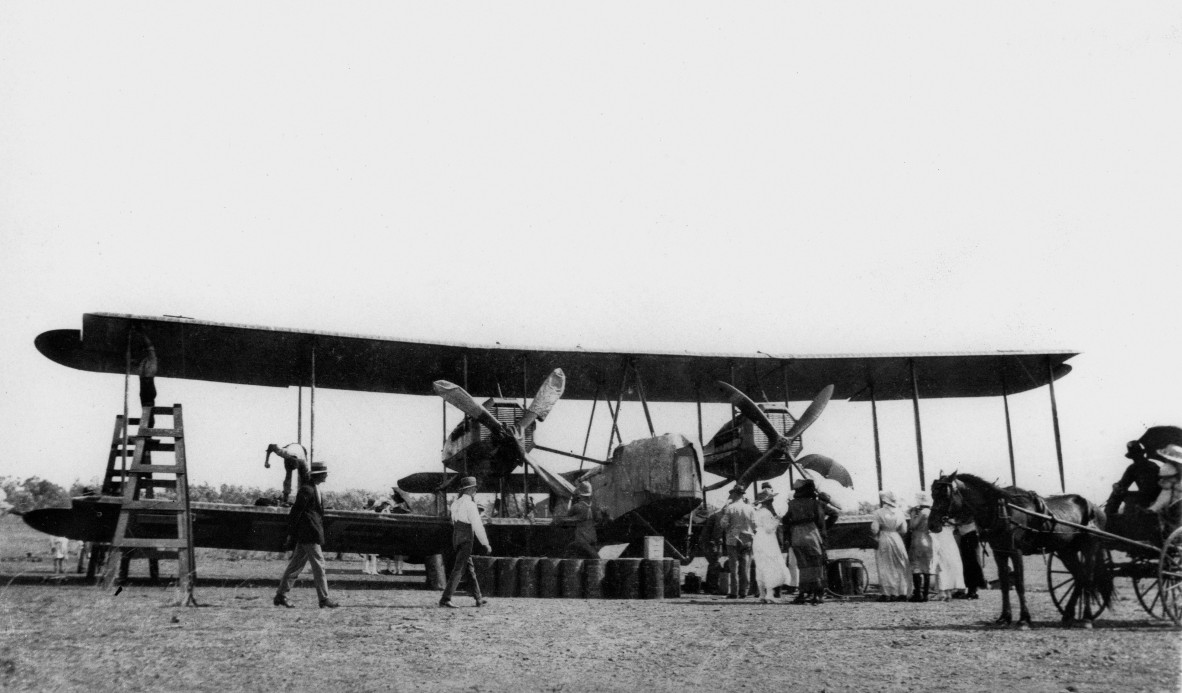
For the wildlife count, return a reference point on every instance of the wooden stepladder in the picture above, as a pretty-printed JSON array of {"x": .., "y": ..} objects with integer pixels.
[{"x": 150, "y": 525}]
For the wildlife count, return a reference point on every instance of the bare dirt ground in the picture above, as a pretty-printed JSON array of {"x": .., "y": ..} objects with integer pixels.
[{"x": 389, "y": 635}]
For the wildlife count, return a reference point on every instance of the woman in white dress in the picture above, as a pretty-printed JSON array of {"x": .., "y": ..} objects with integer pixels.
[
  {"x": 949, "y": 567},
  {"x": 770, "y": 569},
  {"x": 888, "y": 525}
]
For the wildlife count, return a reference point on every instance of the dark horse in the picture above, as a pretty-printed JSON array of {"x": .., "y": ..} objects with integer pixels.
[{"x": 1013, "y": 534}]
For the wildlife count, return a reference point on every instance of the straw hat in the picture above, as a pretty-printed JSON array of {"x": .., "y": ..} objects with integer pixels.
[
  {"x": 467, "y": 483},
  {"x": 888, "y": 498},
  {"x": 319, "y": 469},
  {"x": 1170, "y": 453}
]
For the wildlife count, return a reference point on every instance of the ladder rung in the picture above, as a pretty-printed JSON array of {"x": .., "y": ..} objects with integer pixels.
[
  {"x": 127, "y": 542},
  {"x": 157, "y": 433},
  {"x": 155, "y": 469}
]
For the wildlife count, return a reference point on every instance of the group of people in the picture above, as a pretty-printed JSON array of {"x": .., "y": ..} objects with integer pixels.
[
  {"x": 396, "y": 504},
  {"x": 917, "y": 564},
  {"x": 755, "y": 533}
]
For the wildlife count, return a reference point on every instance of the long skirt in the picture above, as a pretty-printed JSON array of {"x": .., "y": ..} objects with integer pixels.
[
  {"x": 770, "y": 570},
  {"x": 811, "y": 563},
  {"x": 894, "y": 574}
]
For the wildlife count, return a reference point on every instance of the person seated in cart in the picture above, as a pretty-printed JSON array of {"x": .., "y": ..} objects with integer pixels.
[
  {"x": 1143, "y": 472},
  {"x": 1168, "y": 504}
]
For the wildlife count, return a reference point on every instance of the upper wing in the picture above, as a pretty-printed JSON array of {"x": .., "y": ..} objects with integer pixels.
[{"x": 253, "y": 355}]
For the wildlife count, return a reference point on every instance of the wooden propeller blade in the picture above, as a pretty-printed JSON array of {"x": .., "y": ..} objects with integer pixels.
[
  {"x": 750, "y": 409},
  {"x": 811, "y": 414},
  {"x": 457, "y": 397},
  {"x": 561, "y": 486},
  {"x": 548, "y": 395},
  {"x": 752, "y": 472}
]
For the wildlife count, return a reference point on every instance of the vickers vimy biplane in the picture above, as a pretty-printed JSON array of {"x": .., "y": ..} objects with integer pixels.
[{"x": 648, "y": 486}]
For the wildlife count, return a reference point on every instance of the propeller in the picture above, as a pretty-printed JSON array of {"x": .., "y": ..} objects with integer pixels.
[
  {"x": 548, "y": 394},
  {"x": 780, "y": 441}
]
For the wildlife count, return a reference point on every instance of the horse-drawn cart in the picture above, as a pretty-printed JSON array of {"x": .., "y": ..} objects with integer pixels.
[
  {"x": 1079, "y": 542},
  {"x": 1152, "y": 561}
]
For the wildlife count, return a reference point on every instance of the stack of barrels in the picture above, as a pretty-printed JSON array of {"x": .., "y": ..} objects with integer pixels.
[{"x": 579, "y": 578}]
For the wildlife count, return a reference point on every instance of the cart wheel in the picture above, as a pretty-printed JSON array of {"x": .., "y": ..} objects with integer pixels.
[
  {"x": 1147, "y": 587},
  {"x": 1169, "y": 577},
  {"x": 1061, "y": 584}
]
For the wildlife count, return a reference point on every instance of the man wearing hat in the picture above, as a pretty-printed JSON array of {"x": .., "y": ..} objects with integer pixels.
[
  {"x": 466, "y": 527},
  {"x": 305, "y": 534},
  {"x": 582, "y": 516},
  {"x": 737, "y": 523}
]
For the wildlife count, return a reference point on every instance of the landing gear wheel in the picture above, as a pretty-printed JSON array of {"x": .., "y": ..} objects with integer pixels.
[
  {"x": 1062, "y": 584},
  {"x": 1169, "y": 577}
]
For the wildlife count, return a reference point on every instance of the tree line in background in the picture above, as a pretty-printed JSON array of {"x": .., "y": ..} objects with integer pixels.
[{"x": 34, "y": 493}]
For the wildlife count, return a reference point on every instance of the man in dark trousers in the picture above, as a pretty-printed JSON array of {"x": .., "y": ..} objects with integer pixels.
[
  {"x": 582, "y": 516},
  {"x": 466, "y": 527},
  {"x": 305, "y": 535}
]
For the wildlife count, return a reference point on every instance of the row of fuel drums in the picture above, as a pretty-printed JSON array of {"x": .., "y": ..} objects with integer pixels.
[{"x": 579, "y": 578}]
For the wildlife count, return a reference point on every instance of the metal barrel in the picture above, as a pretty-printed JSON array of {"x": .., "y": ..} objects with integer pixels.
[
  {"x": 548, "y": 577},
  {"x": 571, "y": 578},
  {"x": 436, "y": 576},
  {"x": 652, "y": 580},
  {"x": 527, "y": 577},
  {"x": 626, "y": 583},
  {"x": 486, "y": 574},
  {"x": 672, "y": 570},
  {"x": 594, "y": 570},
  {"x": 507, "y": 576}
]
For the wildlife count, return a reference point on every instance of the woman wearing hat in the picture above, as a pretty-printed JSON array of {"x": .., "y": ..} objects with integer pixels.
[
  {"x": 888, "y": 525},
  {"x": 923, "y": 555},
  {"x": 805, "y": 520},
  {"x": 770, "y": 570},
  {"x": 1169, "y": 499}
]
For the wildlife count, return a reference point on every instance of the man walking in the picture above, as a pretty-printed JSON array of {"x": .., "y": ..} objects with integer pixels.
[
  {"x": 305, "y": 534},
  {"x": 738, "y": 526},
  {"x": 466, "y": 527}
]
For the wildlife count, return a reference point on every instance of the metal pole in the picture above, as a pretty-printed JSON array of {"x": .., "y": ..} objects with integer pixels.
[
  {"x": 698, "y": 399},
  {"x": 1005, "y": 399},
  {"x": 1055, "y": 419},
  {"x": 877, "y": 443},
  {"x": 643, "y": 401},
  {"x": 784, "y": 369},
  {"x": 126, "y": 421},
  {"x": 465, "y": 370},
  {"x": 590, "y": 420},
  {"x": 312, "y": 413},
  {"x": 300, "y": 414},
  {"x": 525, "y": 467},
  {"x": 616, "y": 414},
  {"x": 918, "y": 433}
]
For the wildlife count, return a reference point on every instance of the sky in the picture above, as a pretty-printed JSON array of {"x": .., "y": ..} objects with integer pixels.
[{"x": 791, "y": 178}]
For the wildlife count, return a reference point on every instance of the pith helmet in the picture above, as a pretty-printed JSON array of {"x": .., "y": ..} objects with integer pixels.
[
  {"x": 584, "y": 488},
  {"x": 1170, "y": 453}
]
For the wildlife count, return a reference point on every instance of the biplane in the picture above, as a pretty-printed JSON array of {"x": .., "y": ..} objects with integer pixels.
[{"x": 649, "y": 486}]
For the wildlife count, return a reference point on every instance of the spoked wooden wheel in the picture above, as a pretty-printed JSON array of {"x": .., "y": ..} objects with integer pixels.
[
  {"x": 1169, "y": 577},
  {"x": 1062, "y": 585},
  {"x": 1146, "y": 586}
]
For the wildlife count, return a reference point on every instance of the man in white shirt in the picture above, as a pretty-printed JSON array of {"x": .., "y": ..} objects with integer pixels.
[
  {"x": 466, "y": 527},
  {"x": 737, "y": 522}
]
